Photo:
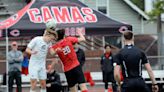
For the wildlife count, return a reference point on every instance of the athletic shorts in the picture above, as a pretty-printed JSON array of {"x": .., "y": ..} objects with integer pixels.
[
  {"x": 75, "y": 76},
  {"x": 108, "y": 77},
  {"x": 134, "y": 85},
  {"x": 37, "y": 73}
]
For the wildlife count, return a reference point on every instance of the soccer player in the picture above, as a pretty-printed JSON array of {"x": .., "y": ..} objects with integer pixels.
[
  {"x": 72, "y": 69},
  {"x": 38, "y": 48},
  {"x": 130, "y": 60}
]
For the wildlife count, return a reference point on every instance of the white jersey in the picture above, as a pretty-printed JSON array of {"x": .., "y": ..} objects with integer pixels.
[{"x": 39, "y": 45}]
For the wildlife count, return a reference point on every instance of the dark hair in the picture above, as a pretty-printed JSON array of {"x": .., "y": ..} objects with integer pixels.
[
  {"x": 128, "y": 35},
  {"x": 23, "y": 49},
  {"x": 60, "y": 33},
  {"x": 107, "y": 45}
]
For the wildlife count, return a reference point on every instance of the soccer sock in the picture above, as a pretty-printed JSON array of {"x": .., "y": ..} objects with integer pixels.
[
  {"x": 85, "y": 91},
  {"x": 32, "y": 90},
  {"x": 43, "y": 90}
]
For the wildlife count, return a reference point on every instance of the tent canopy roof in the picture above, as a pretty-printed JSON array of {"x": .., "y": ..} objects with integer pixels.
[{"x": 69, "y": 14}]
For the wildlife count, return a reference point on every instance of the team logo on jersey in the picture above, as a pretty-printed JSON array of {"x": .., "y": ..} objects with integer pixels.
[{"x": 43, "y": 47}]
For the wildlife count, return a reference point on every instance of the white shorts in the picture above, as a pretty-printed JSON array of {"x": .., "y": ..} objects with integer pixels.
[{"x": 37, "y": 73}]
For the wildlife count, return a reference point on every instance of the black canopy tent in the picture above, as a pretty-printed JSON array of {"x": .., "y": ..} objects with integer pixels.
[
  {"x": 30, "y": 21},
  {"x": 69, "y": 14}
]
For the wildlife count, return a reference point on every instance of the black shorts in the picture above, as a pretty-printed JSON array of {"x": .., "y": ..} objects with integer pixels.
[
  {"x": 75, "y": 76},
  {"x": 108, "y": 77},
  {"x": 134, "y": 85}
]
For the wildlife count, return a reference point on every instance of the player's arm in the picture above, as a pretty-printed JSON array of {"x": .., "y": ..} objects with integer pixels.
[
  {"x": 151, "y": 75},
  {"x": 150, "y": 72},
  {"x": 29, "y": 51},
  {"x": 31, "y": 45},
  {"x": 117, "y": 74},
  {"x": 81, "y": 36},
  {"x": 52, "y": 51},
  {"x": 148, "y": 67},
  {"x": 117, "y": 67}
]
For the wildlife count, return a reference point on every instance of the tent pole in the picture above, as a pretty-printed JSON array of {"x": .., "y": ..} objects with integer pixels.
[{"x": 7, "y": 49}]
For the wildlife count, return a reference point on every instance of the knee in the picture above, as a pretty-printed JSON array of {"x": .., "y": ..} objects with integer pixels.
[
  {"x": 43, "y": 85},
  {"x": 33, "y": 85}
]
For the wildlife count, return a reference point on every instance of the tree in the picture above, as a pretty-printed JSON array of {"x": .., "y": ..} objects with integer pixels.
[{"x": 155, "y": 15}]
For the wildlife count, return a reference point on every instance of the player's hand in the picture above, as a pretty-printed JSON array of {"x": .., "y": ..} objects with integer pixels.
[
  {"x": 58, "y": 49},
  {"x": 155, "y": 88},
  {"x": 34, "y": 52},
  {"x": 49, "y": 85}
]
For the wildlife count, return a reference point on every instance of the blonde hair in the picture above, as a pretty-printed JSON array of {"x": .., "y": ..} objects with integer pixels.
[{"x": 49, "y": 32}]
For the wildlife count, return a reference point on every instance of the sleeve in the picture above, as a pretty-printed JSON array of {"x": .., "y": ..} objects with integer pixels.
[
  {"x": 112, "y": 59},
  {"x": 144, "y": 58},
  {"x": 32, "y": 43},
  {"x": 117, "y": 59},
  {"x": 72, "y": 39},
  {"x": 82, "y": 57},
  {"x": 20, "y": 59},
  {"x": 101, "y": 61},
  {"x": 10, "y": 59}
]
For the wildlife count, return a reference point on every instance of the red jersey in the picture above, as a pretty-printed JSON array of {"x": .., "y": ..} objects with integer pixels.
[{"x": 66, "y": 53}]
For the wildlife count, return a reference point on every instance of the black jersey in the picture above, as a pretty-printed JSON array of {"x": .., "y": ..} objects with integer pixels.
[{"x": 131, "y": 59}]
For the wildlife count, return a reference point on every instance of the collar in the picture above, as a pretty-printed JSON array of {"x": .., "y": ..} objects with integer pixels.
[{"x": 107, "y": 55}]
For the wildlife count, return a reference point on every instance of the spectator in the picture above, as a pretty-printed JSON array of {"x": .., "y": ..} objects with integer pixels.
[
  {"x": 81, "y": 58},
  {"x": 80, "y": 54},
  {"x": 53, "y": 79},
  {"x": 15, "y": 58},
  {"x": 107, "y": 68}
]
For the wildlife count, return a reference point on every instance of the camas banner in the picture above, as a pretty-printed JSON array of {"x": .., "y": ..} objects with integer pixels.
[{"x": 69, "y": 14}]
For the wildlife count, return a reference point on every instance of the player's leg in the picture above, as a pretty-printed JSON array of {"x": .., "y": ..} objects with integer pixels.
[
  {"x": 73, "y": 89},
  {"x": 43, "y": 85},
  {"x": 33, "y": 83},
  {"x": 71, "y": 80},
  {"x": 111, "y": 79},
  {"x": 83, "y": 87},
  {"x": 33, "y": 73},
  {"x": 42, "y": 77},
  {"x": 80, "y": 79}
]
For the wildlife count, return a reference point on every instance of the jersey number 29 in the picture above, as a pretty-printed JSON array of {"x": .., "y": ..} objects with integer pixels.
[{"x": 66, "y": 50}]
